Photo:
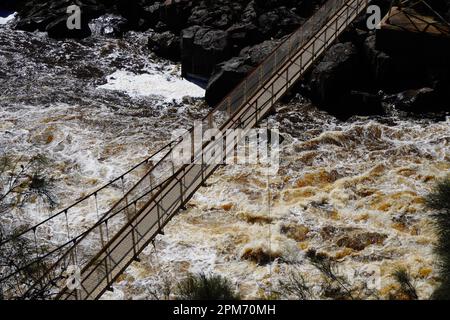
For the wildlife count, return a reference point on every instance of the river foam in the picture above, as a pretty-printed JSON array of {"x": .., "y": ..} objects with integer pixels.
[{"x": 353, "y": 190}]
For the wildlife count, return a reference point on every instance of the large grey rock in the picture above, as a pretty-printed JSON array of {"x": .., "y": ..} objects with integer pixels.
[
  {"x": 230, "y": 73},
  {"x": 58, "y": 29},
  {"x": 257, "y": 53},
  {"x": 241, "y": 35},
  {"x": 227, "y": 75},
  {"x": 165, "y": 44},
  {"x": 246, "y": 23},
  {"x": 422, "y": 100},
  {"x": 278, "y": 22},
  {"x": 108, "y": 25},
  {"x": 52, "y": 17},
  {"x": 202, "y": 49},
  {"x": 335, "y": 74}
]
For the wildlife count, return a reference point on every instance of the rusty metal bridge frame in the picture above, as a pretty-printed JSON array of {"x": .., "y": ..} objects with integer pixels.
[
  {"x": 151, "y": 193},
  {"x": 402, "y": 15}
]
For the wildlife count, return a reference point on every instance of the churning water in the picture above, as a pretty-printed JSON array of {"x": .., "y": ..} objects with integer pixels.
[{"x": 354, "y": 190}]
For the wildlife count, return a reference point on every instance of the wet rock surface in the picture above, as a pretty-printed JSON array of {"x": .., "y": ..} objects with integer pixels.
[
  {"x": 165, "y": 44},
  {"x": 230, "y": 73},
  {"x": 202, "y": 48},
  {"x": 206, "y": 33},
  {"x": 335, "y": 73}
]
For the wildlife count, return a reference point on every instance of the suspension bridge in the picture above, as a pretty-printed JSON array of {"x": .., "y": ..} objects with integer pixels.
[{"x": 152, "y": 192}]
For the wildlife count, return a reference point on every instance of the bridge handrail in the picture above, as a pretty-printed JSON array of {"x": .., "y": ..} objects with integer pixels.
[
  {"x": 78, "y": 237},
  {"x": 241, "y": 94},
  {"x": 92, "y": 194},
  {"x": 326, "y": 9}
]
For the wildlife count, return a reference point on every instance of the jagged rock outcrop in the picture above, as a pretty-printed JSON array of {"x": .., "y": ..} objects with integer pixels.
[
  {"x": 360, "y": 241},
  {"x": 226, "y": 76},
  {"x": 229, "y": 73},
  {"x": 418, "y": 100},
  {"x": 335, "y": 73},
  {"x": 202, "y": 48},
  {"x": 222, "y": 41},
  {"x": 237, "y": 25},
  {"x": 278, "y": 22},
  {"x": 165, "y": 44},
  {"x": 43, "y": 16},
  {"x": 109, "y": 25}
]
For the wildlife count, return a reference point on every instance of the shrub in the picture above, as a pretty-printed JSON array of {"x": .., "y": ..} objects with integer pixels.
[
  {"x": 21, "y": 181},
  {"x": 203, "y": 287},
  {"x": 294, "y": 285},
  {"x": 337, "y": 286},
  {"x": 439, "y": 200},
  {"x": 406, "y": 286}
]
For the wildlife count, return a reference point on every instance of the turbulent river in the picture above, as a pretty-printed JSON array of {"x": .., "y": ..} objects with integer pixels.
[{"x": 353, "y": 190}]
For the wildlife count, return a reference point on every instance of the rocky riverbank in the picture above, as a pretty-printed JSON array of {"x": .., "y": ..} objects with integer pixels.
[{"x": 220, "y": 42}]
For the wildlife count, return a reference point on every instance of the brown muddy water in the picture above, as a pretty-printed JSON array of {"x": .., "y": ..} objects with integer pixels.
[{"x": 353, "y": 190}]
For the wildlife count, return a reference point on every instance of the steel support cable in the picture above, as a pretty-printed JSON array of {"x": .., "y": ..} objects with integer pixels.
[
  {"x": 74, "y": 240},
  {"x": 219, "y": 107},
  {"x": 64, "y": 211}
]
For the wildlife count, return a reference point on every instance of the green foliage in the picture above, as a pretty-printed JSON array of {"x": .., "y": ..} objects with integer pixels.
[
  {"x": 203, "y": 287},
  {"x": 439, "y": 200}
]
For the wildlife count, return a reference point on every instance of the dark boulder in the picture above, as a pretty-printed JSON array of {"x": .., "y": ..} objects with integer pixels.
[
  {"x": 250, "y": 13},
  {"x": 10, "y": 6},
  {"x": 132, "y": 11},
  {"x": 202, "y": 49},
  {"x": 335, "y": 74},
  {"x": 109, "y": 26},
  {"x": 362, "y": 104},
  {"x": 230, "y": 73},
  {"x": 402, "y": 71},
  {"x": 341, "y": 83},
  {"x": 58, "y": 28},
  {"x": 52, "y": 17},
  {"x": 422, "y": 100},
  {"x": 257, "y": 53},
  {"x": 165, "y": 45},
  {"x": 140, "y": 15},
  {"x": 219, "y": 15},
  {"x": 36, "y": 16},
  {"x": 226, "y": 76},
  {"x": 236, "y": 25},
  {"x": 381, "y": 64},
  {"x": 241, "y": 35},
  {"x": 360, "y": 241},
  {"x": 304, "y": 7},
  {"x": 278, "y": 22}
]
